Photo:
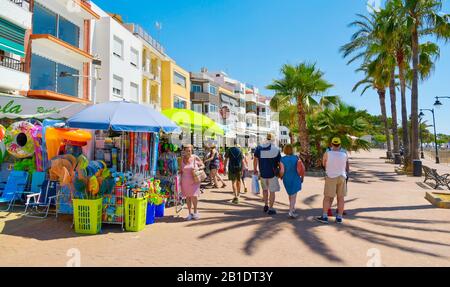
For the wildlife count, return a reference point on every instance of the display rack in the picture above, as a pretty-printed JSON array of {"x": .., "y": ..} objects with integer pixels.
[{"x": 113, "y": 207}]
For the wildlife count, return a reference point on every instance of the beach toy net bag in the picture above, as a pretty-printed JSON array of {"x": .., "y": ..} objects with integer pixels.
[
  {"x": 87, "y": 216},
  {"x": 135, "y": 214}
]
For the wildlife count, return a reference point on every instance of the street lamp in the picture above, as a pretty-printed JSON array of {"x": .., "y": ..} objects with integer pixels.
[
  {"x": 435, "y": 135},
  {"x": 422, "y": 156},
  {"x": 438, "y": 103}
]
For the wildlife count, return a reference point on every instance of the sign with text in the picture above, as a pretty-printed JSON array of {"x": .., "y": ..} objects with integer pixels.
[{"x": 25, "y": 108}]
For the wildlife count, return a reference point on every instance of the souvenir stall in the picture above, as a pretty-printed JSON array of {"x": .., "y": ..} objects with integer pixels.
[
  {"x": 126, "y": 142},
  {"x": 167, "y": 170}
]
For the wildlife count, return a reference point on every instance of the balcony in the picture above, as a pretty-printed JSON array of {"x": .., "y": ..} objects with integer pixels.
[
  {"x": 139, "y": 31},
  {"x": 16, "y": 12},
  {"x": 49, "y": 45},
  {"x": 250, "y": 98},
  {"x": 13, "y": 77},
  {"x": 81, "y": 8}
]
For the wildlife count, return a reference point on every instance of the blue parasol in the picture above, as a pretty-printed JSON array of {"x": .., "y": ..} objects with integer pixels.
[{"x": 122, "y": 117}]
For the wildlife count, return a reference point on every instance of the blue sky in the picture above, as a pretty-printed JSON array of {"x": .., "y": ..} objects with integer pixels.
[{"x": 252, "y": 39}]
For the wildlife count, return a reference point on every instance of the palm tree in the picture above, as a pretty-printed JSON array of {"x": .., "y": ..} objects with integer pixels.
[
  {"x": 423, "y": 20},
  {"x": 394, "y": 27},
  {"x": 370, "y": 44},
  {"x": 346, "y": 122},
  {"x": 299, "y": 85},
  {"x": 377, "y": 78}
]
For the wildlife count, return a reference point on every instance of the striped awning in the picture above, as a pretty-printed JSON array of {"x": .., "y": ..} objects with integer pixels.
[{"x": 12, "y": 38}]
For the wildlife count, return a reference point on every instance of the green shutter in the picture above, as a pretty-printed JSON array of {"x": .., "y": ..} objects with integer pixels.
[{"x": 12, "y": 38}]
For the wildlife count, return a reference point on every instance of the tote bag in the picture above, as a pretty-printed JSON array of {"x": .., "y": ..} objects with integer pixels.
[{"x": 255, "y": 184}]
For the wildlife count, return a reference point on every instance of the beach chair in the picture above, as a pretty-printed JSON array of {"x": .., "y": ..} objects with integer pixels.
[
  {"x": 3, "y": 179},
  {"x": 38, "y": 204},
  {"x": 14, "y": 188}
]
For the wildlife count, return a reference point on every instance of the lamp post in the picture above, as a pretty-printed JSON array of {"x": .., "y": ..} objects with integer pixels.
[
  {"x": 438, "y": 103},
  {"x": 435, "y": 135},
  {"x": 422, "y": 156}
]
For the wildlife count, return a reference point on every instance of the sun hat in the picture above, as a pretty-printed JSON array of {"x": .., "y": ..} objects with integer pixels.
[{"x": 336, "y": 141}]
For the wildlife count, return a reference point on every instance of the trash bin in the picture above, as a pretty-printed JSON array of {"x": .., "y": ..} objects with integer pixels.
[
  {"x": 397, "y": 158},
  {"x": 417, "y": 168}
]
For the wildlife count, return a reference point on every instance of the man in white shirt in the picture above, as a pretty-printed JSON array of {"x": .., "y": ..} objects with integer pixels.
[{"x": 336, "y": 164}]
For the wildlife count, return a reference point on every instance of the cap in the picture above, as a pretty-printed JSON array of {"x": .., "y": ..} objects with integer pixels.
[{"x": 336, "y": 141}]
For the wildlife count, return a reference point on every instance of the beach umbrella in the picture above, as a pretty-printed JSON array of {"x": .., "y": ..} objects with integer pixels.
[
  {"x": 193, "y": 121},
  {"x": 122, "y": 116}
]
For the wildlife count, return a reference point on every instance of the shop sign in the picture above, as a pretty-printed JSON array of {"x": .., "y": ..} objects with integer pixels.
[{"x": 25, "y": 108}]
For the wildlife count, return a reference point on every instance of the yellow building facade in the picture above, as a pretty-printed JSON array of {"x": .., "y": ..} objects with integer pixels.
[
  {"x": 176, "y": 86},
  {"x": 152, "y": 76}
]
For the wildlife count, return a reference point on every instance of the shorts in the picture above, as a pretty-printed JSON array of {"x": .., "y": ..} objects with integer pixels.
[
  {"x": 235, "y": 175},
  {"x": 270, "y": 184},
  {"x": 335, "y": 187}
]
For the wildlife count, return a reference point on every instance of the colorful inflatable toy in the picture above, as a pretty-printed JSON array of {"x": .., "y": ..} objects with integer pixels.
[{"x": 19, "y": 140}]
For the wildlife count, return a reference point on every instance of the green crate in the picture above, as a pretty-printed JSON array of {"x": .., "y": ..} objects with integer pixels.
[
  {"x": 87, "y": 215},
  {"x": 135, "y": 213}
]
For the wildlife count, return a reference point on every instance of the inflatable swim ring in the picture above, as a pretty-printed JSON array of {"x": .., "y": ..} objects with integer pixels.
[
  {"x": 36, "y": 134},
  {"x": 2, "y": 132},
  {"x": 19, "y": 141}
]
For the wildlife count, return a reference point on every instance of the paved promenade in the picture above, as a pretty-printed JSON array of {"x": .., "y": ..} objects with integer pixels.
[{"x": 389, "y": 224}]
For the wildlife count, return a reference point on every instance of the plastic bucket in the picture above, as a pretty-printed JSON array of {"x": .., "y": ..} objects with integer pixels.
[
  {"x": 150, "y": 214},
  {"x": 87, "y": 216},
  {"x": 135, "y": 214},
  {"x": 159, "y": 210}
]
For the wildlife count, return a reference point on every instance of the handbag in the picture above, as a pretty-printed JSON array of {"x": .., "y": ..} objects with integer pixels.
[
  {"x": 255, "y": 184},
  {"x": 198, "y": 174}
]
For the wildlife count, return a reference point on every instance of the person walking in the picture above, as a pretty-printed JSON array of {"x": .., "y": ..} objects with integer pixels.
[
  {"x": 336, "y": 166},
  {"x": 245, "y": 171},
  {"x": 267, "y": 159},
  {"x": 190, "y": 189},
  {"x": 214, "y": 162},
  {"x": 292, "y": 171},
  {"x": 234, "y": 162}
]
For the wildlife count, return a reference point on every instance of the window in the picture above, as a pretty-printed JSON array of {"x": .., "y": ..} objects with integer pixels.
[
  {"x": 44, "y": 20},
  {"x": 212, "y": 90},
  {"x": 134, "y": 92},
  {"x": 43, "y": 74},
  {"x": 134, "y": 57},
  {"x": 118, "y": 86},
  {"x": 46, "y": 75},
  {"x": 67, "y": 85},
  {"x": 179, "y": 103},
  {"x": 179, "y": 79},
  {"x": 196, "y": 88},
  {"x": 68, "y": 32},
  {"x": 48, "y": 22},
  {"x": 197, "y": 108},
  {"x": 118, "y": 47},
  {"x": 213, "y": 108}
]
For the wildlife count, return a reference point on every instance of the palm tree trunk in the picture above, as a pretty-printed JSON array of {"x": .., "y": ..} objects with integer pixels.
[
  {"x": 303, "y": 136},
  {"x": 382, "y": 96},
  {"x": 405, "y": 129},
  {"x": 394, "y": 112},
  {"x": 415, "y": 96}
]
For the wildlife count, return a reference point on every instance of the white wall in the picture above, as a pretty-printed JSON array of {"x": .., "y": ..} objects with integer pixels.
[
  {"x": 15, "y": 14},
  {"x": 12, "y": 80},
  {"x": 105, "y": 30}
]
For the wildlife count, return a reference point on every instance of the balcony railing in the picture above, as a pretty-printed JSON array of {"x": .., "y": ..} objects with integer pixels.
[
  {"x": 22, "y": 3},
  {"x": 138, "y": 30},
  {"x": 11, "y": 63}
]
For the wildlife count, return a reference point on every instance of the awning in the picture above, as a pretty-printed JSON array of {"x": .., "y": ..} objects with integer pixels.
[
  {"x": 12, "y": 38},
  {"x": 14, "y": 107}
]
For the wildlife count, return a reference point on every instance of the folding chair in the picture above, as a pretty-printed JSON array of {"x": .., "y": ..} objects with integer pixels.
[
  {"x": 14, "y": 188},
  {"x": 38, "y": 204},
  {"x": 3, "y": 179}
]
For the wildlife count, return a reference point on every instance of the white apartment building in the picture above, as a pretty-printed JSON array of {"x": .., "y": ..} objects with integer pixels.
[
  {"x": 15, "y": 20},
  {"x": 284, "y": 138},
  {"x": 235, "y": 123},
  {"x": 120, "y": 52}
]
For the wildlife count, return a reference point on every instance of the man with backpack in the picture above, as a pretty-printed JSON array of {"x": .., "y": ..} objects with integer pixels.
[{"x": 234, "y": 159}]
